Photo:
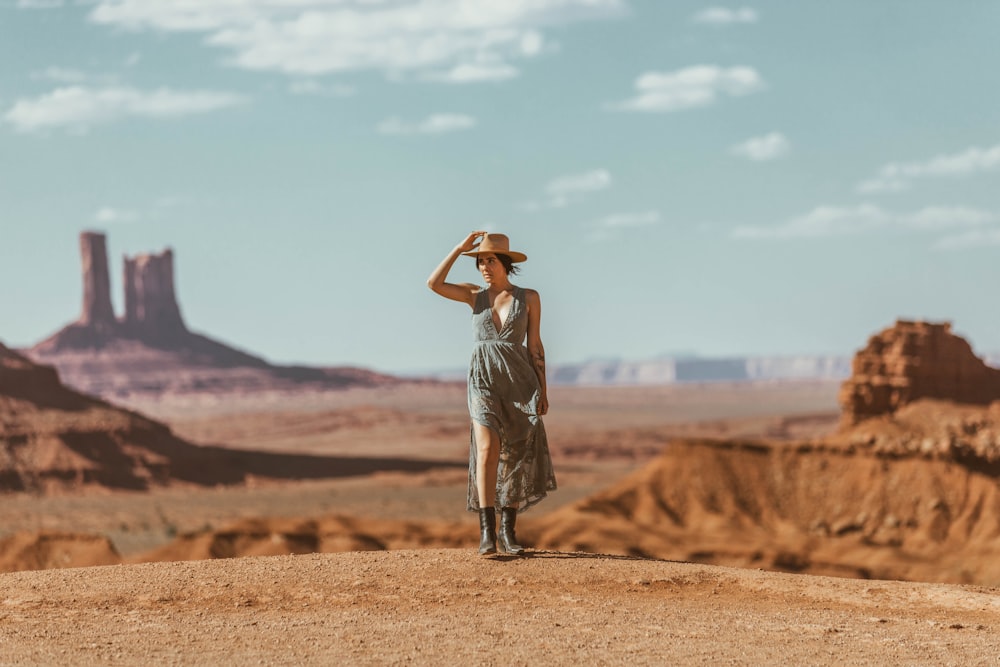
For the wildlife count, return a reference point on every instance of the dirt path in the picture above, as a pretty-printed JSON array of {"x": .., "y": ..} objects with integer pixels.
[{"x": 452, "y": 607}]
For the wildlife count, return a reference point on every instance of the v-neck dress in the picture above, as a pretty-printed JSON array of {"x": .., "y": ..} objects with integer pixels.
[{"x": 503, "y": 394}]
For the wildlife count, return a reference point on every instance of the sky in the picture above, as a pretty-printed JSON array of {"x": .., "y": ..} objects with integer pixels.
[{"x": 776, "y": 178}]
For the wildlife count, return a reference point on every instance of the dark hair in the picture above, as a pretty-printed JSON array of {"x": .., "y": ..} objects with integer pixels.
[{"x": 508, "y": 264}]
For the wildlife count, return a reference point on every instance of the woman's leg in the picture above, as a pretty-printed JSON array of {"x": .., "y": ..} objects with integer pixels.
[{"x": 487, "y": 460}]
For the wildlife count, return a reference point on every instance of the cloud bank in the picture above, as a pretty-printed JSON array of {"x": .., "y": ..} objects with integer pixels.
[
  {"x": 109, "y": 215},
  {"x": 458, "y": 41},
  {"x": 562, "y": 190},
  {"x": 898, "y": 176},
  {"x": 761, "y": 149},
  {"x": 439, "y": 123},
  {"x": 723, "y": 16},
  {"x": 81, "y": 107},
  {"x": 828, "y": 221},
  {"x": 689, "y": 88}
]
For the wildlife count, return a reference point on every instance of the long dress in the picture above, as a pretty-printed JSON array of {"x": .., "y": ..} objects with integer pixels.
[{"x": 504, "y": 394}]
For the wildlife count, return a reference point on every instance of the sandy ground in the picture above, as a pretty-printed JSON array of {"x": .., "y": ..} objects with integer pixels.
[{"x": 452, "y": 607}]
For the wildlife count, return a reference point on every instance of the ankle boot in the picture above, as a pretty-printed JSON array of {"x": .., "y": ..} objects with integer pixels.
[
  {"x": 487, "y": 530},
  {"x": 508, "y": 541}
]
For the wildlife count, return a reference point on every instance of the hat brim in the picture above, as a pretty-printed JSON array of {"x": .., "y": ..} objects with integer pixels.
[{"x": 515, "y": 257}]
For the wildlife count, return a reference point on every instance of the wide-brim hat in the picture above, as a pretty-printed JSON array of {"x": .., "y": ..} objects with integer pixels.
[{"x": 498, "y": 244}]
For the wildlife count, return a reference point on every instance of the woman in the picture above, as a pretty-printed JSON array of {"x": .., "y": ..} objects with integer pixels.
[{"x": 509, "y": 463}]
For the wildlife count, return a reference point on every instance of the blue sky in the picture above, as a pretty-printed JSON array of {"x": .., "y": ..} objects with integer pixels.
[{"x": 770, "y": 178}]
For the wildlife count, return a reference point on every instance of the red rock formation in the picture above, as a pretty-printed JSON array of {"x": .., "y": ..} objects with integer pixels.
[
  {"x": 151, "y": 310},
  {"x": 23, "y": 380},
  {"x": 817, "y": 508},
  {"x": 49, "y": 549},
  {"x": 151, "y": 349},
  {"x": 97, "y": 310},
  {"x": 914, "y": 360}
]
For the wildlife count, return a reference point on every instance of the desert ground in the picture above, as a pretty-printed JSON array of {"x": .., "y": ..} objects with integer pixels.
[
  {"x": 438, "y": 606},
  {"x": 385, "y": 600}
]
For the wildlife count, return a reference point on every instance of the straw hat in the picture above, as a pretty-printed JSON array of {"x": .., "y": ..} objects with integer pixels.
[{"x": 498, "y": 244}]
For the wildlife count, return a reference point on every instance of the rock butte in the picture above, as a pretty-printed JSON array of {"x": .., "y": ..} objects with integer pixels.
[
  {"x": 911, "y": 361},
  {"x": 151, "y": 350}
]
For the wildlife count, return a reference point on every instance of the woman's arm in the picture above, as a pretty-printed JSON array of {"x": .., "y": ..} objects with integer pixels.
[
  {"x": 464, "y": 292},
  {"x": 535, "y": 348}
]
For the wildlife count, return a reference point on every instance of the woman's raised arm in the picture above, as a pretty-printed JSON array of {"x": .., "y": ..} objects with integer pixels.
[{"x": 462, "y": 292}]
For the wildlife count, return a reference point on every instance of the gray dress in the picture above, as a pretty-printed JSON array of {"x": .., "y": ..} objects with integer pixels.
[{"x": 504, "y": 395}]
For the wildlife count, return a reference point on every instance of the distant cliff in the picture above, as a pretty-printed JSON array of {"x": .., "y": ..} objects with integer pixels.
[{"x": 697, "y": 369}]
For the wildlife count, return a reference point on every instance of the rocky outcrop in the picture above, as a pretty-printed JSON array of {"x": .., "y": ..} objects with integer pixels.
[
  {"x": 48, "y": 549},
  {"x": 151, "y": 310},
  {"x": 97, "y": 311},
  {"x": 911, "y": 361},
  {"x": 152, "y": 315},
  {"x": 21, "y": 379}
]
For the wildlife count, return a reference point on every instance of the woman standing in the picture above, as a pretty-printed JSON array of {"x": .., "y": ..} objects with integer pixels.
[{"x": 509, "y": 462}]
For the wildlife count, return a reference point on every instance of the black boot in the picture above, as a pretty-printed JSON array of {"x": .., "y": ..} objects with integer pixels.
[
  {"x": 508, "y": 541},
  {"x": 487, "y": 530}
]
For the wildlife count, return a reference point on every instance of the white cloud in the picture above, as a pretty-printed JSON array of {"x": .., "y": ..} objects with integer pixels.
[
  {"x": 110, "y": 215},
  {"x": 572, "y": 184},
  {"x": 314, "y": 87},
  {"x": 760, "y": 149},
  {"x": 725, "y": 16},
  {"x": 826, "y": 221},
  {"x": 447, "y": 40},
  {"x": 613, "y": 226},
  {"x": 562, "y": 190},
  {"x": 474, "y": 73},
  {"x": 691, "y": 87},
  {"x": 439, "y": 123},
  {"x": 897, "y": 176},
  {"x": 621, "y": 220},
  {"x": 79, "y": 107}
]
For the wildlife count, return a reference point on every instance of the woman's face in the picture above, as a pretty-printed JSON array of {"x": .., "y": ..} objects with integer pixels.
[{"x": 491, "y": 267}]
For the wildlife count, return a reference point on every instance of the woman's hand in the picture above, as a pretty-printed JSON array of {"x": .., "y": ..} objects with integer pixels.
[
  {"x": 543, "y": 405},
  {"x": 470, "y": 242}
]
